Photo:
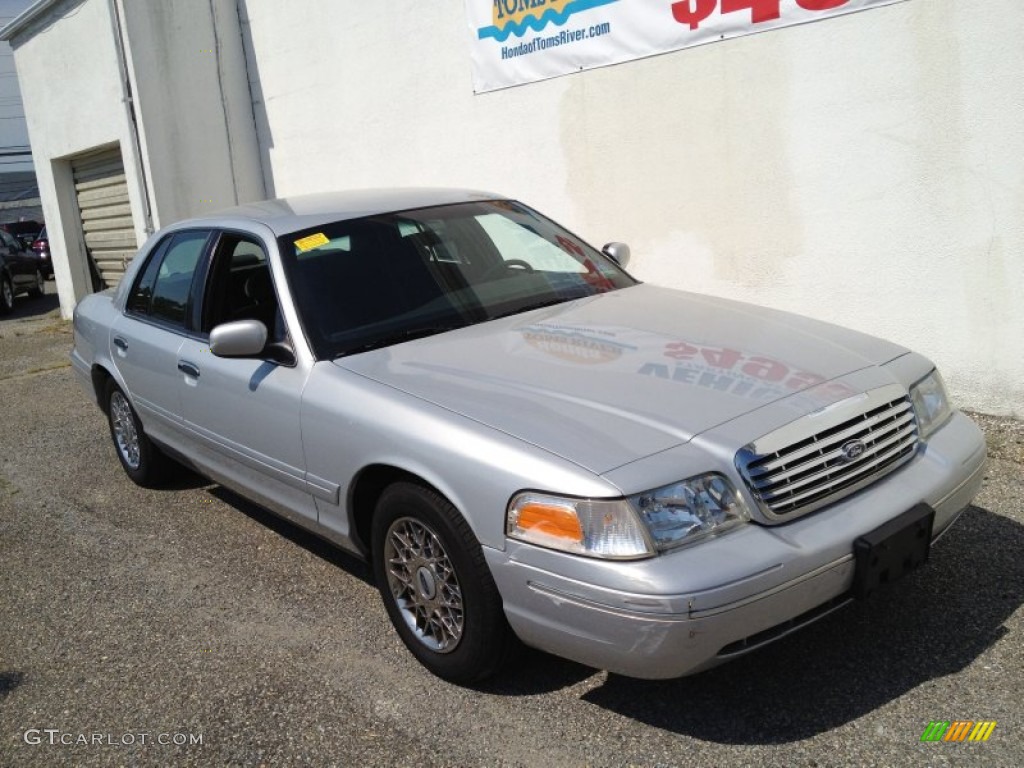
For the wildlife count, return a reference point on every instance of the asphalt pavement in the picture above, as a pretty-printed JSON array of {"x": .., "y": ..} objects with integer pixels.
[{"x": 188, "y": 627}]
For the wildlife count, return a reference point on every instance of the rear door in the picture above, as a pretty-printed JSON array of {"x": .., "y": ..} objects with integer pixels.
[{"x": 145, "y": 339}]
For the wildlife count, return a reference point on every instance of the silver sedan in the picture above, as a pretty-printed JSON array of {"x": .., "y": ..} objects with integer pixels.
[{"x": 525, "y": 442}]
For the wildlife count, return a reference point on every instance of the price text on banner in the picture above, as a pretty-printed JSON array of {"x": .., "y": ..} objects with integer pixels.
[{"x": 521, "y": 41}]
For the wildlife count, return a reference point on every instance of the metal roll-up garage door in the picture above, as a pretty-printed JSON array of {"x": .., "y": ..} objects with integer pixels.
[{"x": 106, "y": 213}]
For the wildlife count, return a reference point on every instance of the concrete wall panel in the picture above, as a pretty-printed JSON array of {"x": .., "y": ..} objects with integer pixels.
[{"x": 867, "y": 170}]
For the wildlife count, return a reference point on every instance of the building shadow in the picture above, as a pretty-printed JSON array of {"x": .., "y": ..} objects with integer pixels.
[
  {"x": 264, "y": 136},
  {"x": 295, "y": 534},
  {"x": 934, "y": 623},
  {"x": 27, "y": 307}
]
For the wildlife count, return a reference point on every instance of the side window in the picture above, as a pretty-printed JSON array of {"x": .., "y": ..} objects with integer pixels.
[
  {"x": 142, "y": 294},
  {"x": 8, "y": 241},
  {"x": 162, "y": 291},
  {"x": 242, "y": 287},
  {"x": 174, "y": 278}
]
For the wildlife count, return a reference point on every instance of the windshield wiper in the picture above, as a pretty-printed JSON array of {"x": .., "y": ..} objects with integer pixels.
[
  {"x": 535, "y": 305},
  {"x": 409, "y": 334}
]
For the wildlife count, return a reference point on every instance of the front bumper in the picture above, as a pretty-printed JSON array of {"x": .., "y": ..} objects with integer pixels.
[{"x": 689, "y": 610}]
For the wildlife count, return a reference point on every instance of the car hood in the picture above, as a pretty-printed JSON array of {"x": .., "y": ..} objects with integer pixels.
[{"x": 612, "y": 378}]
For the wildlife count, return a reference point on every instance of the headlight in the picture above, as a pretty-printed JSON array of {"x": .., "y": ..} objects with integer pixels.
[
  {"x": 635, "y": 527},
  {"x": 607, "y": 528},
  {"x": 930, "y": 403},
  {"x": 690, "y": 510}
]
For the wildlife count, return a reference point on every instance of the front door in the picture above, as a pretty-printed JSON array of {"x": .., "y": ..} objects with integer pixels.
[{"x": 243, "y": 414}]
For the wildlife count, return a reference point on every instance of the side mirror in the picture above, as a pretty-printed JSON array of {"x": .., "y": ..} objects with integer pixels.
[
  {"x": 617, "y": 252},
  {"x": 242, "y": 338}
]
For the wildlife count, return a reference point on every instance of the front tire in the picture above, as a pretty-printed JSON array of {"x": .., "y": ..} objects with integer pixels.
[
  {"x": 436, "y": 587},
  {"x": 141, "y": 460}
]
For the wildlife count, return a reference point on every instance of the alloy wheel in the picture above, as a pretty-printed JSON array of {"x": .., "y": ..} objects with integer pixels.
[
  {"x": 126, "y": 435},
  {"x": 424, "y": 584}
]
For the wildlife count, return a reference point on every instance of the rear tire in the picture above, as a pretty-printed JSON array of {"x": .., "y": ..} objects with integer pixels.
[
  {"x": 436, "y": 586},
  {"x": 6, "y": 295},
  {"x": 141, "y": 460},
  {"x": 40, "y": 287}
]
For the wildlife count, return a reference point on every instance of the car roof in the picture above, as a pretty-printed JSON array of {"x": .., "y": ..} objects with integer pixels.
[{"x": 290, "y": 214}]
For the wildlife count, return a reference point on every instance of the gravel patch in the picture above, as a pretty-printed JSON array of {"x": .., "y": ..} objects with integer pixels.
[{"x": 1005, "y": 437}]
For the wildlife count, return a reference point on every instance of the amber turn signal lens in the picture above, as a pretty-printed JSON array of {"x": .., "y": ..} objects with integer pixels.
[{"x": 550, "y": 520}]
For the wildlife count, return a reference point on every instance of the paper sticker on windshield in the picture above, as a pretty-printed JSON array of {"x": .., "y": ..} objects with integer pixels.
[{"x": 312, "y": 241}]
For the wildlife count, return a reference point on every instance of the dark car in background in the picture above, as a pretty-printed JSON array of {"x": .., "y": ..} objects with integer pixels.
[
  {"x": 25, "y": 230},
  {"x": 19, "y": 271},
  {"x": 41, "y": 247}
]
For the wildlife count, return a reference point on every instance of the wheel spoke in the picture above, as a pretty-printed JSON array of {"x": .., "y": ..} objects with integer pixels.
[{"x": 424, "y": 584}]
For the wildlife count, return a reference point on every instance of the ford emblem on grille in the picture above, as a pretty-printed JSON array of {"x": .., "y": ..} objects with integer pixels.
[{"x": 853, "y": 450}]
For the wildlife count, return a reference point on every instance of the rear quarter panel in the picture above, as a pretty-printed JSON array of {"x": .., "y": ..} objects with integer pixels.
[{"x": 93, "y": 318}]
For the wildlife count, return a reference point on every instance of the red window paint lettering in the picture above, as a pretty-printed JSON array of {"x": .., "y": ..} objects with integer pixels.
[{"x": 569, "y": 245}]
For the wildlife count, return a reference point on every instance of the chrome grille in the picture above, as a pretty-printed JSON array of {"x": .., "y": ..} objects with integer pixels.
[{"x": 831, "y": 462}]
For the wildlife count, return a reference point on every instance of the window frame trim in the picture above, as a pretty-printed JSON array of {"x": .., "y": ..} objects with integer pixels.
[
  {"x": 159, "y": 251},
  {"x": 220, "y": 232}
]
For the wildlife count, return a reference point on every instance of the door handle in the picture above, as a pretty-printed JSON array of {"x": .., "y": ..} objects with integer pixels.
[
  {"x": 120, "y": 343},
  {"x": 189, "y": 369}
]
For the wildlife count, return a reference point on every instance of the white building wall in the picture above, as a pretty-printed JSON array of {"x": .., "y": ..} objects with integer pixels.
[
  {"x": 69, "y": 75},
  {"x": 867, "y": 169},
  {"x": 196, "y": 149}
]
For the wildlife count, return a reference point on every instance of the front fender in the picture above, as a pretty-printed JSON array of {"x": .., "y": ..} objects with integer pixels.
[{"x": 350, "y": 422}]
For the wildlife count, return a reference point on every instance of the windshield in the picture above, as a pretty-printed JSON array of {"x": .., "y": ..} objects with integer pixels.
[{"x": 366, "y": 283}]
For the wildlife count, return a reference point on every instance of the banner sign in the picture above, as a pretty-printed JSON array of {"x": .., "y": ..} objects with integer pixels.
[{"x": 521, "y": 41}]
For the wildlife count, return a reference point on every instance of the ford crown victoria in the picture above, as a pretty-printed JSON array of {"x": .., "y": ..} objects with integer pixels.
[{"x": 525, "y": 441}]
